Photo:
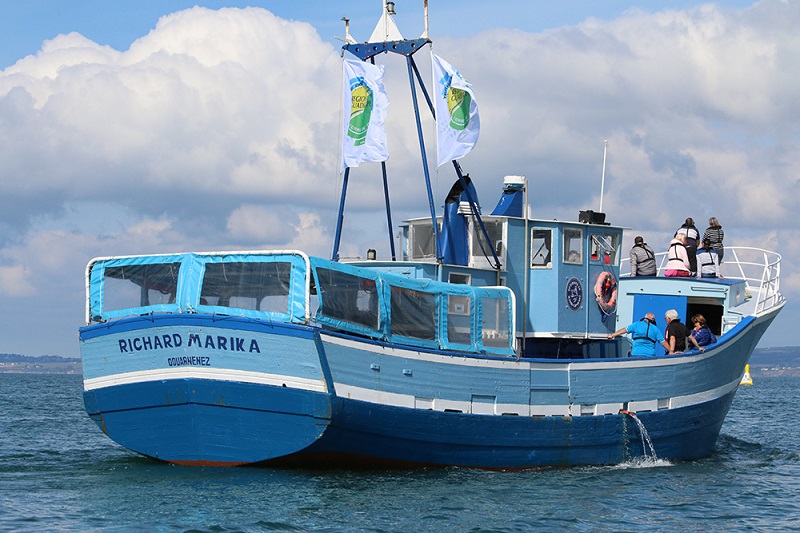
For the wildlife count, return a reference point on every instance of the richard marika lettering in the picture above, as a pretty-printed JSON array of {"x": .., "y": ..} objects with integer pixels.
[{"x": 176, "y": 340}]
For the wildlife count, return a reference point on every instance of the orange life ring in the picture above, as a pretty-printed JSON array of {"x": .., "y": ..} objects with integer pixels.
[{"x": 605, "y": 292}]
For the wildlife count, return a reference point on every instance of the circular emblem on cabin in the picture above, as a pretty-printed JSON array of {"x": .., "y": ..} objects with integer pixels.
[{"x": 574, "y": 294}]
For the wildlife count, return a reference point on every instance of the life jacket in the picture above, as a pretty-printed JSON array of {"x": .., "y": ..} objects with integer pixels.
[
  {"x": 648, "y": 253},
  {"x": 676, "y": 257},
  {"x": 688, "y": 230},
  {"x": 638, "y": 336},
  {"x": 705, "y": 254}
]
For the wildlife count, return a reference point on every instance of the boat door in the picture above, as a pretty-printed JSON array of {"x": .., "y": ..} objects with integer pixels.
[
  {"x": 658, "y": 305},
  {"x": 575, "y": 289}
]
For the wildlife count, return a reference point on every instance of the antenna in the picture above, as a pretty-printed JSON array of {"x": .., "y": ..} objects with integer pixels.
[
  {"x": 347, "y": 37},
  {"x": 425, "y": 33},
  {"x": 603, "y": 178}
]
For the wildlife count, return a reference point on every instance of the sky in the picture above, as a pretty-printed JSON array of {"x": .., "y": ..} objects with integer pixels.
[{"x": 164, "y": 126}]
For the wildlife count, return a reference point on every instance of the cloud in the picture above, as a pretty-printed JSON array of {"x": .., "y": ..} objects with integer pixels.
[
  {"x": 696, "y": 104},
  {"x": 259, "y": 224},
  {"x": 14, "y": 281},
  {"x": 206, "y": 106},
  {"x": 219, "y": 130}
]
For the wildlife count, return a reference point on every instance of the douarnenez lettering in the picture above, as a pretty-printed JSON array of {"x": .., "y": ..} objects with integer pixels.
[
  {"x": 189, "y": 361},
  {"x": 175, "y": 340}
]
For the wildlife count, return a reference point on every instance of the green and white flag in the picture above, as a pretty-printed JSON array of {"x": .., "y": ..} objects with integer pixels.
[
  {"x": 457, "y": 122},
  {"x": 365, "y": 103}
]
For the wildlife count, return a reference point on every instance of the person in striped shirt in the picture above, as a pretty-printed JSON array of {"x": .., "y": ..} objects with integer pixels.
[{"x": 715, "y": 235}]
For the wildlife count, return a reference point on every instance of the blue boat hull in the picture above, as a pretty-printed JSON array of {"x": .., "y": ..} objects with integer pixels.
[
  {"x": 201, "y": 419},
  {"x": 193, "y": 430},
  {"x": 404, "y": 437},
  {"x": 209, "y": 422},
  {"x": 224, "y": 392}
]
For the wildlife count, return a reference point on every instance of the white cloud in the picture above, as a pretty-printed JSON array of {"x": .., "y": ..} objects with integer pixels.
[
  {"x": 14, "y": 281},
  {"x": 259, "y": 224},
  {"x": 311, "y": 236},
  {"x": 219, "y": 130},
  {"x": 208, "y": 101}
]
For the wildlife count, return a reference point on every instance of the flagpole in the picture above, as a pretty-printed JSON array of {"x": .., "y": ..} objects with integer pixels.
[
  {"x": 388, "y": 210},
  {"x": 340, "y": 218}
]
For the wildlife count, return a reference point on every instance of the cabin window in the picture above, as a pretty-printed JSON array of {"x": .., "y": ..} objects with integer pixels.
[
  {"x": 461, "y": 279},
  {"x": 248, "y": 285},
  {"x": 494, "y": 322},
  {"x": 573, "y": 246},
  {"x": 459, "y": 319},
  {"x": 494, "y": 228},
  {"x": 541, "y": 248},
  {"x": 604, "y": 248},
  {"x": 413, "y": 313},
  {"x": 348, "y": 298},
  {"x": 422, "y": 241},
  {"x": 613, "y": 243},
  {"x": 131, "y": 286}
]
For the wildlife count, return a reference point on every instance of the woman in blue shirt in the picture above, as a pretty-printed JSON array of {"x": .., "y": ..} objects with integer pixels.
[{"x": 701, "y": 333}]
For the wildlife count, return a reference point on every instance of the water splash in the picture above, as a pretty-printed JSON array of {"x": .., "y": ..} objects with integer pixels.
[
  {"x": 647, "y": 444},
  {"x": 642, "y": 462}
]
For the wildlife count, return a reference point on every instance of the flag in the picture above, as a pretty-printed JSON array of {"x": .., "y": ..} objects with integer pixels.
[
  {"x": 457, "y": 121},
  {"x": 365, "y": 103}
]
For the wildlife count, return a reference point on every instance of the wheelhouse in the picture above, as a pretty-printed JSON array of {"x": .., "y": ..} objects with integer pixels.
[{"x": 560, "y": 262}]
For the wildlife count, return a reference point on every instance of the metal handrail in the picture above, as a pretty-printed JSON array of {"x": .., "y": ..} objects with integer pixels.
[{"x": 760, "y": 269}]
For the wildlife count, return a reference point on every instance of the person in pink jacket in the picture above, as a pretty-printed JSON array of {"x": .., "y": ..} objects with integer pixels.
[{"x": 678, "y": 264}]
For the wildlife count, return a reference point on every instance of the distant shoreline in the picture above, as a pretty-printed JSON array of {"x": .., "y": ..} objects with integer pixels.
[
  {"x": 11, "y": 363},
  {"x": 40, "y": 368},
  {"x": 770, "y": 371}
]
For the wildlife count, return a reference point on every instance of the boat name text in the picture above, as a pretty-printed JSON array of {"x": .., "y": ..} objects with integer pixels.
[
  {"x": 176, "y": 340},
  {"x": 189, "y": 361}
]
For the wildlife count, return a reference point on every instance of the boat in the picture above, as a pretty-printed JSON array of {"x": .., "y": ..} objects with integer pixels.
[{"x": 485, "y": 344}]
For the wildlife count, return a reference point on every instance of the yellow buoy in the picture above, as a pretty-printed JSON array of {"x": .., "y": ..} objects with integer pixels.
[{"x": 746, "y": 379}]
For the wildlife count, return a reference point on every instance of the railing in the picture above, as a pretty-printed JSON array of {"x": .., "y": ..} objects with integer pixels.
[{"x": 760, "y": 269}]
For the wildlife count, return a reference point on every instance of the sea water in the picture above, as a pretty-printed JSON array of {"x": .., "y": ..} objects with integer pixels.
[{"x": 58, "y": 472}]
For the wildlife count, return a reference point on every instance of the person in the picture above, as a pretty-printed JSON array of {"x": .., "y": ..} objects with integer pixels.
[
  {"x": 643, "y": 260},
  {"x": 714, "y": 234},
  {"x": 701, "y": 333},
  {"x": 645, "y": 335},
  {"x": 678, "y": 264},
  {"x": 708, "y": 261},
  {"x": 692, "y": 240},
  {"x": 677, "y": 333}
]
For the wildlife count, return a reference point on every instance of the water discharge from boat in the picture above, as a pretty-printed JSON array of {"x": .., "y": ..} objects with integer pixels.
[{"x": 647, "y": 444}]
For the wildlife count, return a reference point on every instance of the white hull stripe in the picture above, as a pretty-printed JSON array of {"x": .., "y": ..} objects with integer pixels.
[
  {"x": 438, "y": 404},
  {"x": 220, "y": 374}
]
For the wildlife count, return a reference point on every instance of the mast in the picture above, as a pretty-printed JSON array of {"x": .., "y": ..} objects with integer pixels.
[
  {"x": 380, "y": 43},
  {"x": 386, "y": 38}
]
